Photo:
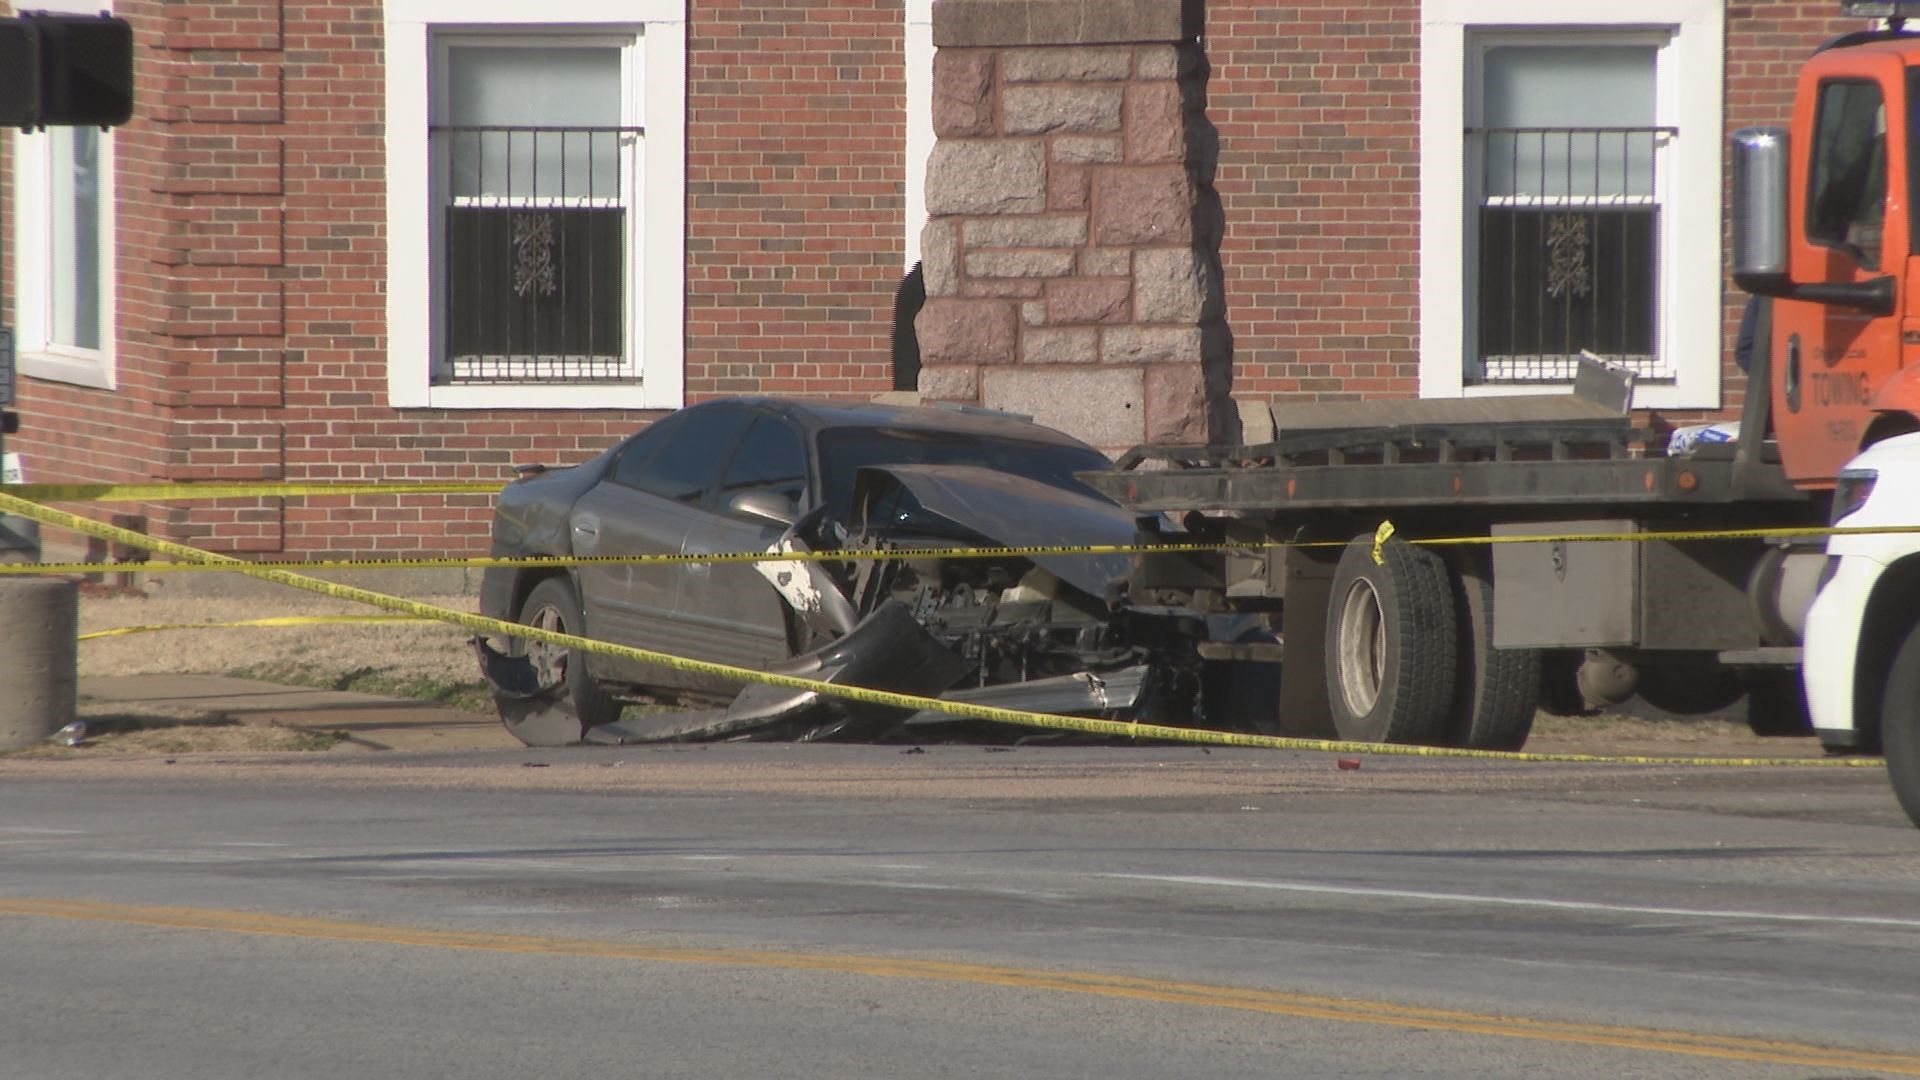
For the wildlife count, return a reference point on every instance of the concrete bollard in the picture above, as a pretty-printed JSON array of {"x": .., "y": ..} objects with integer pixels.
[{"x": 39, "y": 658}]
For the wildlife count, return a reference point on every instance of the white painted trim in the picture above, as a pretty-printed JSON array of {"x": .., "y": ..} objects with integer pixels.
[
  {"x": 659, "y": 325},
  {"x": 410, "y": 293},
  {"x": 1689, "y": 94},
  {"x": 546, "y": 13},
  {"x": 662, "y": 242},
  {"x": 37, "y": 356},
  {"x": 919, "y": 120}
]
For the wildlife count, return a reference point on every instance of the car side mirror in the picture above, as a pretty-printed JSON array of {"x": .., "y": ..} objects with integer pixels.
[{"x": 769, "y": 506}]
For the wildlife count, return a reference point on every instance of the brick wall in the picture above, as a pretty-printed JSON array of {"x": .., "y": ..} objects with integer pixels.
[
  {"x": 796, "y": 195},
  {"x": 1318, "y": 107}
]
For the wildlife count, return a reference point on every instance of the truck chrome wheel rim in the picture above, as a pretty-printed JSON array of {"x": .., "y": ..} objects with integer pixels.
[
  {"x": 549, "y": 661},
  {"x": 1362, "y": 648}
]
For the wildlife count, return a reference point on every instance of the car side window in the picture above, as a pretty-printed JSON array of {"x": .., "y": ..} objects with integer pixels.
[
  {"x": 633, "y": 460},
  {"x": 773, "y": 457},
  {"x": 689, "y": 454}
]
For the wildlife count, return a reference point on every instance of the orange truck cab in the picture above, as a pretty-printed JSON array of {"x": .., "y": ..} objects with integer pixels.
[{"x": 1825, "y": 224}]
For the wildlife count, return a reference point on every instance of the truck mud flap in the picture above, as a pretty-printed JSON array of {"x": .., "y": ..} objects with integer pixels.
[{"x": 888, "y": 650}]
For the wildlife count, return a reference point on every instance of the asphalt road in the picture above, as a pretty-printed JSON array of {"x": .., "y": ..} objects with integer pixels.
[{"x": 831, "y": 911}]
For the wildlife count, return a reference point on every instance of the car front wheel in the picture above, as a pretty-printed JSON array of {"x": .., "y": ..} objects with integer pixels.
[{"x": 555, "y": 719}]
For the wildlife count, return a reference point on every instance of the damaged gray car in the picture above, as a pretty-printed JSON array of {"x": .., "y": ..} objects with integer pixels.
[{"x": 865, "y": 481}]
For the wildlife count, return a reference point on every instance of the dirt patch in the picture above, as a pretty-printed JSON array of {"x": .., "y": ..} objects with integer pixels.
[
  {"x": 425, "y": 661},
  {"x": 111, "y": 728},
  {"x": 425, "y": 652},
  {"x": 1657, "y": 736}
]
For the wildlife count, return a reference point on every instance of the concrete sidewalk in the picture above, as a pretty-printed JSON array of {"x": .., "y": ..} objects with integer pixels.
[{"x": 371, "y": 722}]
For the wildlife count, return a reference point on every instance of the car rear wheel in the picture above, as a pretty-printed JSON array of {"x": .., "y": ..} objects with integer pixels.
[
  {"x": 1391, "y": 644},
  {"x": 555, "y": 719},
  {"x": 1900, "y": 723}
]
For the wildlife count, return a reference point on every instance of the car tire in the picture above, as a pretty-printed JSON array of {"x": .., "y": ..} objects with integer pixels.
[
  {"x": 1391, "y": 645},
  {"x": 550, "y": 719},
  {"x": 1900, "y": 723},
  {"x": 1496, "y": 691}
]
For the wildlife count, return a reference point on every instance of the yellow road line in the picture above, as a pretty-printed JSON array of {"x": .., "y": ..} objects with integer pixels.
[{"x": 1095, "y": 984}]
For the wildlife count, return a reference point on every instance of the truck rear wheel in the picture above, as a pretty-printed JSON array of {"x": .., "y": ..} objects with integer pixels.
[
  {"x": 1496, "y": 690},
  {"x": 1390, "y": 644}
]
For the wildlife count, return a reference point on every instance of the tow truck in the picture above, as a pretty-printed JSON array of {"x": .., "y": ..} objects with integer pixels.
[{"x": 1458, "y": 644}]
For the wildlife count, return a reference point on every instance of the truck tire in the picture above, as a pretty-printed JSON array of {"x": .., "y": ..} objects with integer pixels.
[
  {"x": 1900, "y": 723},
  {"x": 1390, "y": 645},
  {"x": 555, "y": 719},
  {"x": 1496, "y": 691}
]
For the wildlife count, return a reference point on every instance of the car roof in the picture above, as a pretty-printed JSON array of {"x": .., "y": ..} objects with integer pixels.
[{"x": 817, "y": 415}]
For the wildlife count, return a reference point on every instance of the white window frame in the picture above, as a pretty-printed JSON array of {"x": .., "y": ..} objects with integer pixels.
[
  {"x": 657, "y": 285},
  {"x": 37, "y": 354},
  {"x": 1689, "y": 92},
  {"x": 919, "y": 60}
]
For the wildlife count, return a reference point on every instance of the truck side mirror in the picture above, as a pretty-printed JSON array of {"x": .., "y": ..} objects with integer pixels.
[
  {"x": 1760, "y": 211},
  {"x": 1760, "y": 232}
]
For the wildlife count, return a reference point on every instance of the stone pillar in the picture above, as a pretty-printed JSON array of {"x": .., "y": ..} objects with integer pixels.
[{"x": 1071, "y": 252}]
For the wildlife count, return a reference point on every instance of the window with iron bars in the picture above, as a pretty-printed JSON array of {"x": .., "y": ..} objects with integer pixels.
[
  {"x": 536, "y": 226},
  {"x": 1567, "y": 255}
]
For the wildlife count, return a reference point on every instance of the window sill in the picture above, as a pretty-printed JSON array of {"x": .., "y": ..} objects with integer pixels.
[
  {"x": 1663, "y": 393},
  {"x": 538, "y": 396},
  {"x": 76, "y": 367}
]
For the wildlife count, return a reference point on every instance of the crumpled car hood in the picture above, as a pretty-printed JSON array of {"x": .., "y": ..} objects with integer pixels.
[{"x": 1008, "y": 510}]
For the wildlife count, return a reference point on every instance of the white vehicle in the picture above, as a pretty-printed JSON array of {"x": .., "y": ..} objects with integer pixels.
[{"x": 1862, "y": 659}]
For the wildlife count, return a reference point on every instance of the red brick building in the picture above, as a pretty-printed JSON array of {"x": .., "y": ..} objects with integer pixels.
[{"x": 428, "y": 239}]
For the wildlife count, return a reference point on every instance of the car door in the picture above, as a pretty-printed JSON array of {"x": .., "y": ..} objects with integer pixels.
[
  {"x": 727, "y": 611},
  {"x": 645, "y": 507}
]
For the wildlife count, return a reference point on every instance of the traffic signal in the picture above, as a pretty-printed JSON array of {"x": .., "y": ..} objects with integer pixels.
[{"x": 65, "y": 71}]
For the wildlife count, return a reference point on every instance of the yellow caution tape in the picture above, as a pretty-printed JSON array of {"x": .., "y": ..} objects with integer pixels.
[
  {"x": 544, "y": 561},
  {"x": 1383, "y": 535},
  {"x": 46, "y": 493},
  {"x": 1380, "y": 537},
  {"x": 481, "y": 624},
  {"x": 281, "y": 620}
]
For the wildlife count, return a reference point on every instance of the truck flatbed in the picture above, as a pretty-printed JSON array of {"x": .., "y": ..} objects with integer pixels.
[
  {"x": 1578, "y": 450},
  {"x": 1373, "y": 470}
]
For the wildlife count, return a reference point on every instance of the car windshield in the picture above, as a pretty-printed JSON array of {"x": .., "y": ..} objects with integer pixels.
[{"x": 845, "y": 451}]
